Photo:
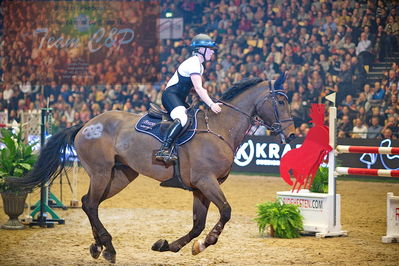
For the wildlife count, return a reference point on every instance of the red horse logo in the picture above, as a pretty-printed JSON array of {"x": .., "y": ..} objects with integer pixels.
[{"x": 302, "y": 163}]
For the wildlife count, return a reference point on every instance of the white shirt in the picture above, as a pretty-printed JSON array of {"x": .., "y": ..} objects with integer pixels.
[
  {"x": 363, "y": 46},
  {"x": 25, "y": 87},
  {"x": 7, "y": 94},
  {"x": 191, "y": 65},
  {"x": 361, "y": 131}
]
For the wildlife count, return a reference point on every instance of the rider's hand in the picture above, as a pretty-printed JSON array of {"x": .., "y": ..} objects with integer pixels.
[{"x": 216, "y": 107}]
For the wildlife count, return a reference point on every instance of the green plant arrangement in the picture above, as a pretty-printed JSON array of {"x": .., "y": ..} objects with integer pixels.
[
  {"x": 320, "y": 182},
  {"x": 284, "y": 220},
  {"x": 16, "y": 158}
]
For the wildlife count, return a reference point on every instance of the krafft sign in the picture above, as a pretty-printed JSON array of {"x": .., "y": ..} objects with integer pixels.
[{"x": 262, "y": 154}]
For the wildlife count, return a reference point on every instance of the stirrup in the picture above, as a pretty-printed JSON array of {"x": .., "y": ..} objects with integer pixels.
[{"x": 164, "y": 155}]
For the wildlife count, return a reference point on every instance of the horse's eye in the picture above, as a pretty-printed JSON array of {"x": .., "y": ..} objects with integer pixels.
[{"x": 281, "y": 102}]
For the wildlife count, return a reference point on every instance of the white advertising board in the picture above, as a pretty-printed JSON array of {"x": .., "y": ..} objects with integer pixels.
[{"x": 317, "y": 210}]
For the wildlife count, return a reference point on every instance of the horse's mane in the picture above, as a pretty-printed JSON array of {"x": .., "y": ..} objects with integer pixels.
[{"x": 239, "y": 87}]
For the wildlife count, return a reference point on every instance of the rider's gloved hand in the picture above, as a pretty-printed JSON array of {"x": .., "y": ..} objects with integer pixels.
[{"x": 216, "y": 107}]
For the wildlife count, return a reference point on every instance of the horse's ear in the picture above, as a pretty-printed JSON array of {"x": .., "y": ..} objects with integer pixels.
[{"x": 278, "y": 84}]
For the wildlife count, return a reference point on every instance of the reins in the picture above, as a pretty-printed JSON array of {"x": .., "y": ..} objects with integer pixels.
[{"x": 208, "y": 130}]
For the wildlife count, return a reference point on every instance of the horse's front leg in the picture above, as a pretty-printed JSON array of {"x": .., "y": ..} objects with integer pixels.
[
  {"x": 200, "y": 211},
  {"x": 211, "y": 189}
]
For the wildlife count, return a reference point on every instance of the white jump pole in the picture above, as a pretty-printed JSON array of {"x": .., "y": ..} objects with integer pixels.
[
  {"x": 331, "y": 160},
  {"x": 74, "y": 201},
  {"x": 365, "y": 171},
  {"x": 366, "y": 149},
  {"x": 331, "y": 155}
]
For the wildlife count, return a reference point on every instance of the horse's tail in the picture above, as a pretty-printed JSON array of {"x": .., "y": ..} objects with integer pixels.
[{"x": 51, "y": 161}]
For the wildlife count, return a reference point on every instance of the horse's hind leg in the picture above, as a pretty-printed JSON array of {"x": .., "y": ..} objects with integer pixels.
[
  {"x": 99, "y": 182},
  {"x": 97, "y": 247},
  {"x": 211, "y": 189},
  {"x": 200, "y": 211},
  {"x": 104, "y": 183}
]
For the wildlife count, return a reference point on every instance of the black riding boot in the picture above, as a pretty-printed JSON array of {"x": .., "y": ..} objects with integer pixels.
[{"x": 164, "y": 154}]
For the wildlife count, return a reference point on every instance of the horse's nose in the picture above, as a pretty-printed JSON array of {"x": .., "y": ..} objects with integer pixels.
[{"x": 291, "y": 137}]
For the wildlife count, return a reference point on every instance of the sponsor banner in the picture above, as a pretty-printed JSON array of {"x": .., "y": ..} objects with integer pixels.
[
  {"x": 305, "y": 203},
  {"x": 317, "y": 210},
  {"x": 262, "y": 154},
  {"x": 81, "y": 42}
]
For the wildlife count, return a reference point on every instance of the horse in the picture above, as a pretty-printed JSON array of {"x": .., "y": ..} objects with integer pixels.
[{"x": 113, "y": 154}]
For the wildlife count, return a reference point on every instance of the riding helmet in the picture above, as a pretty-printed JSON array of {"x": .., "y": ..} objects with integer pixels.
[{"x": 202, "y": 40}]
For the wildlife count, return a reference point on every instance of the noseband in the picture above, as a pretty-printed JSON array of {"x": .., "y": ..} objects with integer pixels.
[{"x": 276, "y": 127}]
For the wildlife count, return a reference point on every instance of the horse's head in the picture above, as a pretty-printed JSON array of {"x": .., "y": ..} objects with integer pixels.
[{"x": 273, "y": 108}]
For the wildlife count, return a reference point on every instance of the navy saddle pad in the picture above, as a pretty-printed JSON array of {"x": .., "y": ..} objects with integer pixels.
[{"x": 152, "y": 126}]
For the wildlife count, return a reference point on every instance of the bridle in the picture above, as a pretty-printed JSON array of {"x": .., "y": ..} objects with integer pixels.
[{"x": 276, "y": 127}]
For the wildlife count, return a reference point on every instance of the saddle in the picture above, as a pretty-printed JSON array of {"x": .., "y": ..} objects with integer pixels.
[
  {"x": 156, "y": 112},
  {"x": 155, "y": 123}
]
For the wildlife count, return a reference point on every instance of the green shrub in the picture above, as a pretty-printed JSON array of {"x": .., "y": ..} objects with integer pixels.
[
  {"x": 284, "y": 219},
  {"x": 320, "y": 182}
]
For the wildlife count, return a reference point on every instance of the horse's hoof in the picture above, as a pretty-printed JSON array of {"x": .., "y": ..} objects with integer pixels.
[
  {"x": 109, "y": 256},
  {"x": 198, "y": 247},
  {"x": 95, "y": 250},
  {"x": 161, "y": 245}
]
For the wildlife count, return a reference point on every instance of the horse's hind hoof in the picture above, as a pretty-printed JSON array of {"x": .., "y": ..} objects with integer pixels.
[
  {"x": 109, "y": 256},
  {"x": 161, "y": 245},
  {"x": 95, "y": 250},
  {"x": 198, "y": 247}
]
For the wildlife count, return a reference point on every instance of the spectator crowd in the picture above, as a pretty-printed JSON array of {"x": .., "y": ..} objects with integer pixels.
[{"x": 325, "y": 45}]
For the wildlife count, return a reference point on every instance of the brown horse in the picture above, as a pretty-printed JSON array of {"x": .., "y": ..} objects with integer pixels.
[{"x": 113, "y": 154}]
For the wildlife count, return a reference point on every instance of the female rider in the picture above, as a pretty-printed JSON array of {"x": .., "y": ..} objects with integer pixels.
[{"x": 187, "y": 76}]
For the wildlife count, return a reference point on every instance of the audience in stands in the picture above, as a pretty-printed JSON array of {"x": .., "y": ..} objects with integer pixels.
[
  {"x": 327, "y": 46},
  {"x": 375, "y": 128}
]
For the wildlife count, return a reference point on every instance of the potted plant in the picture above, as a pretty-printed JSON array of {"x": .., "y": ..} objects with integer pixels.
[
  {"x": 16, "y": 159},
  {"x": 283, "y": 220}
]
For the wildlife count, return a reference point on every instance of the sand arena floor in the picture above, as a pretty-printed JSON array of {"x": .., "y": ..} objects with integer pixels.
[{"x": 145, "y": 212}]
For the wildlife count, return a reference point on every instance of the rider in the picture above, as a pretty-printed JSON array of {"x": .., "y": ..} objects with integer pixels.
[{"x": 187, "y": 76}]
